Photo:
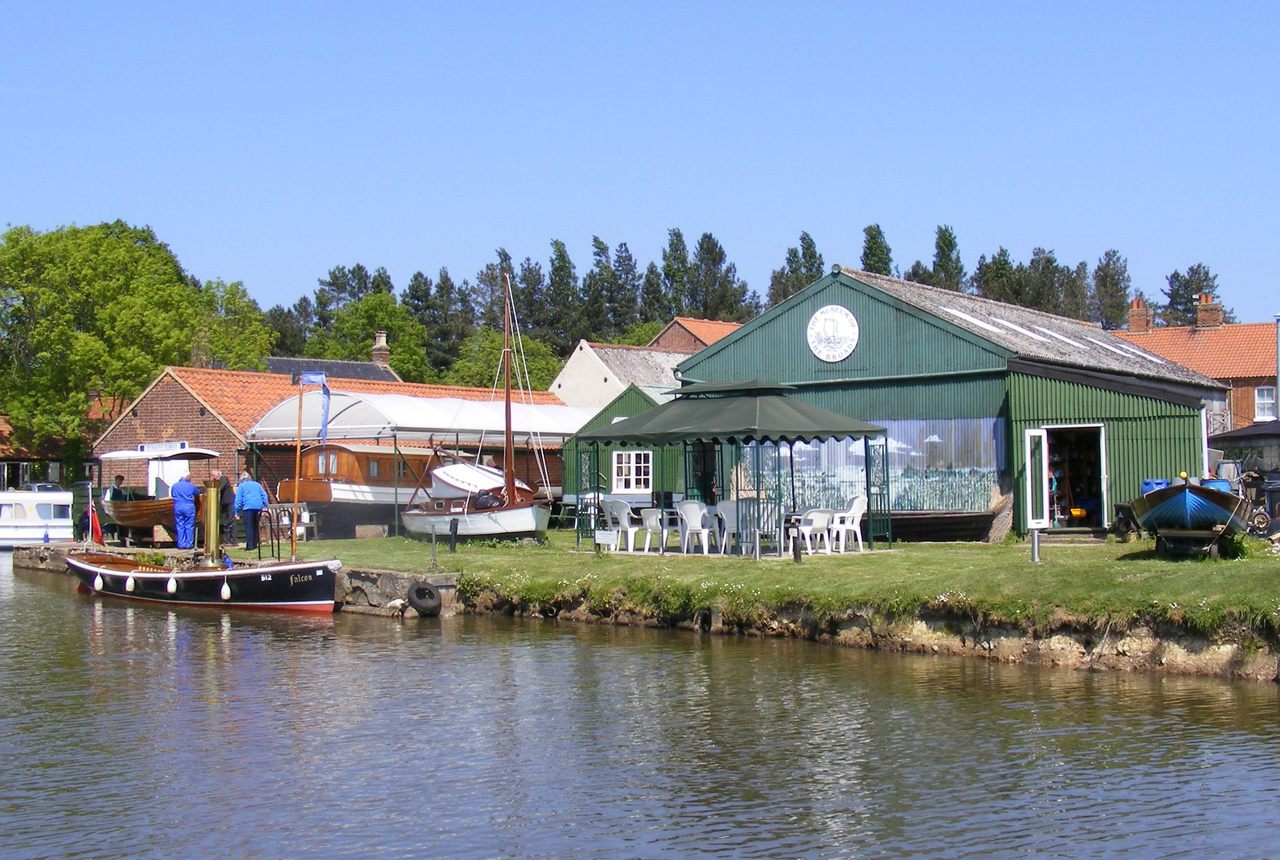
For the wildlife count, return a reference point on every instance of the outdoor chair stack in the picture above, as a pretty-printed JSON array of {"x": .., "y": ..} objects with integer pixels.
[{"x": 654, "y": 524}]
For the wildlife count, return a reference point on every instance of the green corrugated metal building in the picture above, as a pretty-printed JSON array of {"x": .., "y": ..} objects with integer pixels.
[
  {"x": 959, "y": 380},
  {"x": 578, "y": 459}
]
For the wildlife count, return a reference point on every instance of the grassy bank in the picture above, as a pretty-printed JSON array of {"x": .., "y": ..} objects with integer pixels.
[{"x": 1119, "y": 582}]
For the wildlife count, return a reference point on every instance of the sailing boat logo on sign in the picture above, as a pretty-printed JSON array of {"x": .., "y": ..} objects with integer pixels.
[{"x": 833, "y": 333}]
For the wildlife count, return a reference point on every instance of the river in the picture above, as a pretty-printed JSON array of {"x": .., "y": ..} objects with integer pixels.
[{"x": 130, "y": 731}]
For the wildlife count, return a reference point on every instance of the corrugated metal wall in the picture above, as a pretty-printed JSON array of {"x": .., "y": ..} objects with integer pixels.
[
  {"x": 894, "y": 340},
  {"x": 1145, "y": 437},
  {"x": 631, "y": 402}
]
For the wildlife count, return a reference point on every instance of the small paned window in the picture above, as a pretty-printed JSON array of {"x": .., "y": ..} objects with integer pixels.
[
  {"x": 1264, "y": 403},
  {"x": 632, "y": 471},
  {"x": 327, "y": 463}
]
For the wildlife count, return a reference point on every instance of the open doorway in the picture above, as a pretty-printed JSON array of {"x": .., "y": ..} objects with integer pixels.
[{"x": 1077, "y": 477}]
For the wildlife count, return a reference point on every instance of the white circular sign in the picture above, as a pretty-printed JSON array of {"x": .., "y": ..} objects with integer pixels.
[{"x": 833, "y": 333}]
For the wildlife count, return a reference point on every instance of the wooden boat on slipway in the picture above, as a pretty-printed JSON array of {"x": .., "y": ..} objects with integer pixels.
[{"x": 296, "y": 586}]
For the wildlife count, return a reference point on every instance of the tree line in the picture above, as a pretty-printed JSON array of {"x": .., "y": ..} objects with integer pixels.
[{"x": 90, "y": 315}]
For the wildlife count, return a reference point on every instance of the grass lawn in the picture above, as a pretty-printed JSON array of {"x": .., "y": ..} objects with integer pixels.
[{"x": 1121, "y": 581}]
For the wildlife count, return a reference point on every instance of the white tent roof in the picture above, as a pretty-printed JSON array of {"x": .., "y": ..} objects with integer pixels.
[{"x": 441, "y": 419}]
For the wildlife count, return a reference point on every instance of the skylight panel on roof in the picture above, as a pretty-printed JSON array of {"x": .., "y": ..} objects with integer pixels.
[
  {"x": 1108, "y": 347},
  {"x": 1062, "y": 337},
  {"x": 1140, "y": 354},
  {"x": 979, "y": 323},
  {"x": 1020, "y": 329}
]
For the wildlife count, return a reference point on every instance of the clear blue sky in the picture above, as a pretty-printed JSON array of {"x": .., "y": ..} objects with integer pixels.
[{"x": 268, "y": 142}]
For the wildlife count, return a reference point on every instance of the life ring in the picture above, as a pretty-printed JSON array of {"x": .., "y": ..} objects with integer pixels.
[{"x": 424, "y": 598}]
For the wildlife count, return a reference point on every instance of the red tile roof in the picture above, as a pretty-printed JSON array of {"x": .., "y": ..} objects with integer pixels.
[
  {"x": 1231, "y": 351},
  {"x": 708, "y": 331},
  {"x": 241, "y": 397}
]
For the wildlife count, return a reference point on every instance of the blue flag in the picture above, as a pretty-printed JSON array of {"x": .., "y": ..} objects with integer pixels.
[{"x": 316, "y": 377}]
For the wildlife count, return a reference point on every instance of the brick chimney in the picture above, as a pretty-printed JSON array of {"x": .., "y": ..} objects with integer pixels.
[
  {"x": 1208, "y": 312},
  {"x": 1140, "y": 316},
  {"x": 381, "y": 353}
]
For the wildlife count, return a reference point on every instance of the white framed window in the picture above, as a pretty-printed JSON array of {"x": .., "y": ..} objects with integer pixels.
[
  {"x": 632, "y": 471},
  {"x": 1264, "y": 403},
  {"x": 327, "y": 463}
]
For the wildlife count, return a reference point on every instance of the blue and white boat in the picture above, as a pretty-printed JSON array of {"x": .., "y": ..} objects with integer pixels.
[{"x": 1189, "y": 509}]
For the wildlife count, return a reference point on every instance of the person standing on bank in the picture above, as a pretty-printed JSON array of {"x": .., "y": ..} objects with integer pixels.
[
  {"x": 226, "y": 506},
  {"x": 251, "y": 500},
  {"x": 184, "y": 511}
]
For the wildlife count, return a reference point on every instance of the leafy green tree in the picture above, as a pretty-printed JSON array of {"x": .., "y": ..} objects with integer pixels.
[
  {"x": 803, "y": 266},
  {"x": 675, "y": 271},
  {"x": 654, "y": 306},
  {"x": 343, "y": 286},
  {"x": 480, "y": 358},
  {"x": 101, "y": 308},
  {"x": 948, "y": 271},
  {"x": 877, "y": 256},
  {"x": 642, "y": 333},
  {"x": 1109, "y": 301},
  {"x": 351, "y": 337},
  {"x": 714, "y": 291},
  {"x": 235, "y": 333}
]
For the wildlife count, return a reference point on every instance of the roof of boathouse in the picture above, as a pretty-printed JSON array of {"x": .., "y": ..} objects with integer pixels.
[
  {"x": 242, "y": 397},
  {"x": 1033, "y": 334}
]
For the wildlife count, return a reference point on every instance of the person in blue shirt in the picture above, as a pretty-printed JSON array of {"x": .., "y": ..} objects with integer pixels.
[
  {"x": 184, "y": 511},
  {"x": 251, "y": 500}
]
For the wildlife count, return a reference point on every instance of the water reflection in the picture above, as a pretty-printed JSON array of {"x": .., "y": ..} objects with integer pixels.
[{"x": 140, "y": 730}]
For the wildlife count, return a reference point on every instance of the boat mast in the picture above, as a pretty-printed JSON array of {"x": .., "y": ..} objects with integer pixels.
[{"x": 508, "y": 440}]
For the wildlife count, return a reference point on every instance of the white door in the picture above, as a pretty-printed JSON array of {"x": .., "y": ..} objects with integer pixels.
[{"x": 1036, "y": 492}]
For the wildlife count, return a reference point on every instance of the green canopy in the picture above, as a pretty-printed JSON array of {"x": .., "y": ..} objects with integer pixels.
[{"x": 744, "y": 411}]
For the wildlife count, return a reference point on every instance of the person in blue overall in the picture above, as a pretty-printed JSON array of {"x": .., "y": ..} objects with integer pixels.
[
  {"x": 184, "y": 511},
  {"x": 251, "y": 500}
]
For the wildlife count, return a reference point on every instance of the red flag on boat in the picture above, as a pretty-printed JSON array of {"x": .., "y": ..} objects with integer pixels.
[{"x": 95, "y": 525}]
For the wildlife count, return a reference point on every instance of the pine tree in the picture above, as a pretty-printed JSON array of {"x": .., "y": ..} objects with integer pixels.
[
  {"x": 623, "y": 303},
  {"x": 490, "y": 284},
  {"x": 1075, "y": 291},
  {"x": 563, "y": 302},
  {"x": 803, "y": 266},
  {"x": 449, "y": 321},
  {"x": 675, "y": 271},
  {"x": 417, "y": 297},
  {"x": 714, "y": 291},
  {"x": 948, "y": 272},
  {"x": 919, "y": 273},
  {"x": 1109, "y": 301},
  {"x": 1183, "y": 294},
  {"x": 597, "y": 286},
  {"x": 877, "y": 256},
  {"x": 996, "y": 278},
  {"x": 654, "y": 306}
]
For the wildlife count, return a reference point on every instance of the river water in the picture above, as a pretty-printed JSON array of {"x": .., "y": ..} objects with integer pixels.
[{"x": 142, "y": 732}]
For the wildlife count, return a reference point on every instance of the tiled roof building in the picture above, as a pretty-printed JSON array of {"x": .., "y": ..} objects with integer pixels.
[{"x": 1241, "y": 355}]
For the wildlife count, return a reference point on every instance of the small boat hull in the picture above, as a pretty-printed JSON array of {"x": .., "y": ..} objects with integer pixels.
[
  {"x": 294, "y": 586},
  {"x": 1189, "y": 507},
  {"x": 146, "y": 513},
  {"x": 512, "y": 522}
]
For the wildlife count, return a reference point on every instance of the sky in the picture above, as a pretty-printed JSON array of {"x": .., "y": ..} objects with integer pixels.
[{"x": 268, "y": 142}]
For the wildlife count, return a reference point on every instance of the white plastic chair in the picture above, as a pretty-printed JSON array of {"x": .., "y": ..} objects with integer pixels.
[
  {"x": 814, "y": 528},
  {"x": 849, "y": 522},
  {"x": 727, "y": 514},
  {"x": 654, "y": 523},
  {"x": 693, "y": 522},
  {"x": 625, "y": 523}
]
